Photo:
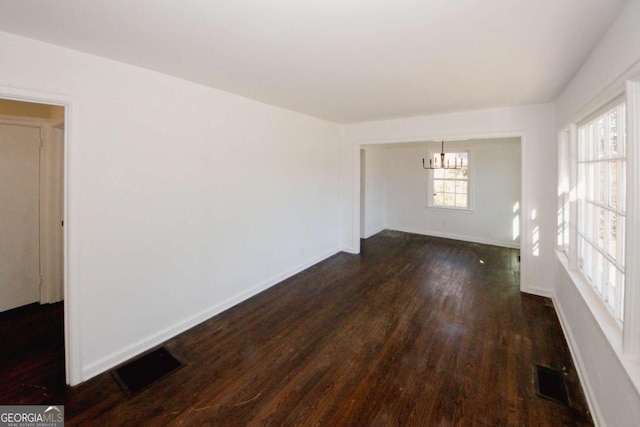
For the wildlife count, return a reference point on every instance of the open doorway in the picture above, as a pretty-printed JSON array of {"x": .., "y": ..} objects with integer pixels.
[
  {"x": 481, "y": 202},
  {"x": 31, "y": 254}
]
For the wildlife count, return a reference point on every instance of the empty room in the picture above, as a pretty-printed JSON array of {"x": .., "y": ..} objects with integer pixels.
[{"x": 387, "y": 213}]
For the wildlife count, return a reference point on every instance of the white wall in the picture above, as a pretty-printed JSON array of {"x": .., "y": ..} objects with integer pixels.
[
  {"x": 612, "y": 395},
  {"x": 373, "y": 209},
  {"x": 533, "y": 123},
  {"x": 618, "y": 51},
  {"x": 494, "y": 190},
  {"x": 182, "y": 200}
]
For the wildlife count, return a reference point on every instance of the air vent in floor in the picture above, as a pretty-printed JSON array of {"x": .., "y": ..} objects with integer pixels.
[
  {"x": 551, "y": 384},
  {"x": 143, "y": 371}
]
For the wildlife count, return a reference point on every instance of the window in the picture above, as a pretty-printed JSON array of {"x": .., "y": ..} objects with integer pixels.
[
  {"x": 601, "y": 206},
  {"x": 450, "y": 187}
]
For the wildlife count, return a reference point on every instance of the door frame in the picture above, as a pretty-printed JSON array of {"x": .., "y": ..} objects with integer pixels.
[{"x": 73, "y": 366}]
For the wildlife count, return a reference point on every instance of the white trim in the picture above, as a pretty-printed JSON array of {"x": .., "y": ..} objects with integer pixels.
[
  {"x": 105, "y": 363},
  {"x": 605, "y": 95},
  {"x": 72, "y": 336},
  {"x": 451, "y": 209},
  {"x": 373, "y": 232},
  {"x": 606, "y": 323},
  {"x": 430, "y": 138},
  {"x": 541, "y": 292},
  {"x": 631, "y": 338},
  {"x": 604, "y": 108},
  {"x": 355, "y": 238},
  {"x": 592, "y": 402},
  {"x": 349, "y": 250},
  {"x": 451, "y": 236},
  {"x": 603, "y": 317}
]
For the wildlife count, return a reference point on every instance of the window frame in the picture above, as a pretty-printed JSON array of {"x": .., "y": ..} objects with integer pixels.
[
  {"x": 564, "y": 220},
  {"x": 431, "y": 178},
  {"x": 593, "y": 166},
  {"x": 625, "y": 341}
]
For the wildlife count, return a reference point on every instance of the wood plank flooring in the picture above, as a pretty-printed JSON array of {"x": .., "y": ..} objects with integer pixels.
[
  {"x": 32, "y": 355},
  {"x": 415, "y": 331}
]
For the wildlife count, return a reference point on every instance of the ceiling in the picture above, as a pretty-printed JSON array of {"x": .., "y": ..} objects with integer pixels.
[{"x": 342, "y": 60}]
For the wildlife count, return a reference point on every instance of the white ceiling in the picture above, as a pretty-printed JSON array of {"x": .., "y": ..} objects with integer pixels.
[{"x": 342, "y": 60}]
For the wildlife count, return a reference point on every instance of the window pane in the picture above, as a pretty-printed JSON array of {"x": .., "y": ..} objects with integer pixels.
[
  {"x": 600, "y": 131},
  {"x": 590, "y": 182},
  {"x": 598, "y": 273},
  {"x": 589, "y": 264},
  {"x": 591, "y": 141},
  {"x": 453, "y": 159},
  {"x": 601, "y": 184},
  {"x": 613, "y": 133},
  {"x": 589, "y": 227},
  {"x": 613, "y": 184},
  {"x": 582, "y": 218},
  {"x": 581, "y": 181},
  {"x": 462, "y": 173},
  {"x": 613, "y": 234},
  {"x": 601, "y": 227},
  {"x": 450, "y": 173},
  {"x": 449, "y": 199},
  {"x": 610, "y": 297},
  {"x": 450, "y": 186}
]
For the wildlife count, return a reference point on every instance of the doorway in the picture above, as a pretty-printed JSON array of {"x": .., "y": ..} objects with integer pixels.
[
  {"x": 32, "y": 254},
  {"x": 496, "y": 194}
]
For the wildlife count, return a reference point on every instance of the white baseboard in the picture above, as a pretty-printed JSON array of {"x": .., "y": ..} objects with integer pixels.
[
  {"x": 373, "y": 232},
  {"x": 579, "y": 363},
  {"x": 101, "y": 365},
  {"x": 452, "y": 236},
  {"x": 541, "y": 292},
  {"x": 350, "y": 250}
]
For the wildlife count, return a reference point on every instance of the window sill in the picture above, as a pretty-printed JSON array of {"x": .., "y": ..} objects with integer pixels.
[
  {"x": 449, "y": 209},
  {"x": 610, "y": 329}
]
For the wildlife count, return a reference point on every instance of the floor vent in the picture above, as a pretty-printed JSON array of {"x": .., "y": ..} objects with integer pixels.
[
  {"x": 143, "y": 371},
  {"x": 551, "y": 384}
]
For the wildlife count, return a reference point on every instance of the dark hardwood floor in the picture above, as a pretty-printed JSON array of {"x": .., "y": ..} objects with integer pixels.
[
  {"x": 414, "y": 331},
  {"x": 32, "y": 355}
]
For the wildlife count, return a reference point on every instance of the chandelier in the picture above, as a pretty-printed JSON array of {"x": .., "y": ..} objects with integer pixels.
[{"x": 434, "y": 164}]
